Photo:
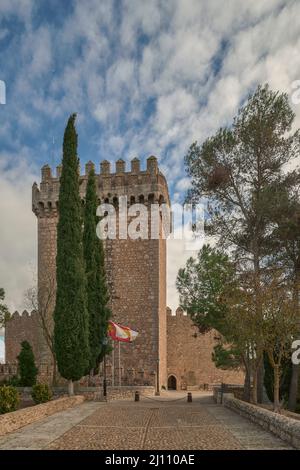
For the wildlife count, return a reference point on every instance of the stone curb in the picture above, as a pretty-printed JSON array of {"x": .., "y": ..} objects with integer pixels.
[
  {"x": 288, "y": 429},
  {"x": 10, "y": 422}
]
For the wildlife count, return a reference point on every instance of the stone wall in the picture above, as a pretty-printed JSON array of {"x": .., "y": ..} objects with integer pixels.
[
  {"x": 19, "y": 328},
  {"x": 127, "y": 393},
  {"x": 189, "y": 355},
  {"x": 287, "y": 429},
  {"x": 94, "y": 393},
  {"x": 236, "y": 390},
  {"x": 9, "y": 370},
  {"x": 10, "y": 422}
]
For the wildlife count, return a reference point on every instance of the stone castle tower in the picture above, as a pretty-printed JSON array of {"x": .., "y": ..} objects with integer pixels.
[{"x": 136, "y": 269}]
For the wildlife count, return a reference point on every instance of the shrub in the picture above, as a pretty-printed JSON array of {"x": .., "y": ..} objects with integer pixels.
[
  {"x": 14, "y": 381},
  {"x": 9, "y": 399},
  {"x": 41, "y": 393},
  {"x": 27, "y": 368}
]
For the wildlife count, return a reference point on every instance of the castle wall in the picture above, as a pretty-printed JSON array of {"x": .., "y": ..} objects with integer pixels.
[
  {"x": 47, "y": 233},
  {"x": 162, "y": 313},
  {"x": 189, "y": 354},
  {"x": 24, "y": 327}
]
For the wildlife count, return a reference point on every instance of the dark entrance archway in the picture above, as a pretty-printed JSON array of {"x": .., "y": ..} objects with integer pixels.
[{"x": 172, "y": 383}]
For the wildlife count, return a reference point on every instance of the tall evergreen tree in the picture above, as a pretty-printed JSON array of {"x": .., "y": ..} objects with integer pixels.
[
  {"x": 26, "y": 365},
  {"x": 70, "y": 315},
  {"x": 95, "y": 270}
]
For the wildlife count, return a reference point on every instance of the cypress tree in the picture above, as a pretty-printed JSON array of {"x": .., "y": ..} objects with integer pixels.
[
  {"x": 103, "y": 298},
  {"x": 26, "y": 365},
  {"x": 96, "y": 280},
  {"x": 70, "y": 315}
]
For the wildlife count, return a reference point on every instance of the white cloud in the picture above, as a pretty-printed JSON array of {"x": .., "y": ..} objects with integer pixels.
[
  {"x": 20, "y": 8},
  {"x": 177, "y": 256},
  {"x": 183, "y": 184},
  {"x": 18, "y": 228},
  {"x": 150, "y": 78},
  {"x": 37, "y": 52}
]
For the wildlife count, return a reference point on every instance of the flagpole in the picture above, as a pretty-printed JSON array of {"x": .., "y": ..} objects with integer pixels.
[
  {"x": 119, "y": 363},
  {"x": 104, "y": 342},
  {"x": 113, "y": 368}
]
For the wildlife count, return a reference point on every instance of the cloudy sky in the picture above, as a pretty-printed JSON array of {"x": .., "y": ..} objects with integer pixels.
[{"x": 144, "y": 77}]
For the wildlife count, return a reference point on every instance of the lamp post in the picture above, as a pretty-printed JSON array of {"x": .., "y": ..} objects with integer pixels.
[
  {"x": 104, "y": 342},
  {"x": 157, "y": 378}
]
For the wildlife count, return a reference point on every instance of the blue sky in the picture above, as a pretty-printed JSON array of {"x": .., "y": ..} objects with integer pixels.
[{"x": 144, "y": 77}]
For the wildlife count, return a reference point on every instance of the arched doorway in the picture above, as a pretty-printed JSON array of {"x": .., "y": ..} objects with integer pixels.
[{"x": 172, "y": 383}]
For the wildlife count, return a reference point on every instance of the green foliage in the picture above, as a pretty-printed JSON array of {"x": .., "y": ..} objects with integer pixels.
[
  {"x": 71, "y": 326},
  {"x": 202, "y": 285},
  {"x": 4, "y": 313},
  {"x": 95, "y": 271},
  {"x": 41, "y": 393},
  {"x": 226, "y": 357},
  {"x": 26, "y": 366},
  {"x": 9, "y": 399},
  {"x": 13, "y": 381},
  {"x": 252, "y": 197},
  {"x": 235, "y": 171}
]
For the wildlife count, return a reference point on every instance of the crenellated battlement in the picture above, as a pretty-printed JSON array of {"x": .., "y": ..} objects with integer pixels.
[
  {"x": 140, "y": 186},
  {"x": 179, "y": 312},
  {"x": 25, "y": 314}
]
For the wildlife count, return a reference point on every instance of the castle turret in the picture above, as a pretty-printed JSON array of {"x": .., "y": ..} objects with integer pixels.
[{"x": 136, "y": 269}]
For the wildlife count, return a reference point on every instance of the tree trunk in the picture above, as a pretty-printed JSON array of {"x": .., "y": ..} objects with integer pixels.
[
  {"x": 247, "y": 385},
  {"x": 293, "y": 392},
  {"x": 260, "y": 382},
  {"x": 276, "y": 388},
  {"x": 294, "y": 384},
  {"x": 254, "y": 389},
  {"x": 71, "y": 388}
]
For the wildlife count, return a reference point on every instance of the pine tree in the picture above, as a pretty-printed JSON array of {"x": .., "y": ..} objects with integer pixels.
[
  {"x": 26, "y": 366},
  {"x": 95, "y": 271},
  {"x": 235, "y": 170},
  {"x": 70, "y": 315}
]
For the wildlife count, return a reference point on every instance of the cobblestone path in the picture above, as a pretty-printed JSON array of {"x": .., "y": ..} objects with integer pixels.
[{"x": 150, "y": 424}]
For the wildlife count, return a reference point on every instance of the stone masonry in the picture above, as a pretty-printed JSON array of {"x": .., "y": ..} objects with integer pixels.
[
  {"x": 189, "y": 358},
  {"x": 136, "y": 275},
  {"x": 21, "y": 327},
  {"x": 189, "y": 355},
  {"x": 136, "y": 269}
]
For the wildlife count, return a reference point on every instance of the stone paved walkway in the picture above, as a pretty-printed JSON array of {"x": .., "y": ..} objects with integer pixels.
[{"x": 158, "y": 423}]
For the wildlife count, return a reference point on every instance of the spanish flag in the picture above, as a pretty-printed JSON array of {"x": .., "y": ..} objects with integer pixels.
[{"x": 121, "y": 333}]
